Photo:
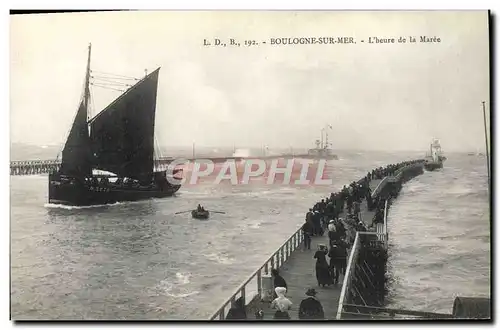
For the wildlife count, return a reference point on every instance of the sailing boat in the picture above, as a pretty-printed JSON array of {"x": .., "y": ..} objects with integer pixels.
[{"x": 121, "y": 142}]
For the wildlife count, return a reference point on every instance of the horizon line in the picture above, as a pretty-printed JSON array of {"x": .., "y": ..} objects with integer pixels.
[{"x": 189, "y": 147}]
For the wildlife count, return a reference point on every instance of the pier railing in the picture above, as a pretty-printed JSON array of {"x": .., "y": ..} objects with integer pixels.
[
  {"x": 379, "y": 187},
  {"x": 385, "y": 229},
  {"x": 380, "y": 237},
  {"x": 380, "y": 313},
  {"x": 254, "y": 281},
  {"x": 359, "y": 271},
  {"x": 252, "y": 286}
]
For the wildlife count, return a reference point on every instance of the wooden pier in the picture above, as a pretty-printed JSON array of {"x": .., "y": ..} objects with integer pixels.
[
  {"x": 300, "y": 274},
  {"x": 33, "y": 167},
  {"x": 297, "y": 267},
  {"x": 37, "y": 167},
  {"x": 363, "y": 276}
]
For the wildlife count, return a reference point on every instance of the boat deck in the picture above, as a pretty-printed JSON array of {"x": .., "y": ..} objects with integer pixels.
[{"x": 300, "y": 275}]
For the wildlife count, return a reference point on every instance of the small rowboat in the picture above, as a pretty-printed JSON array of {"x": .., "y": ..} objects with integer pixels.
[{"x": 200, "y": 214}]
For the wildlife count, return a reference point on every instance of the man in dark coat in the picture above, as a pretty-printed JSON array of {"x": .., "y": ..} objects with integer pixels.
[
  {"x": 333, "y": 234},
  {"x": 317, "y": 223},
  {"x": 309, "y": 218},
  {"x": 349, "y": 201},
  {"x": 322, "y": 206},
  {"x": 307, "y": 229},
  {"x": 357, "y": 208},
  {"x": 339, "y": 225},
  {"x": 310, "y": 308},
  {"x": 379, "y": 216},
  {"x": 338, "y": 259}
]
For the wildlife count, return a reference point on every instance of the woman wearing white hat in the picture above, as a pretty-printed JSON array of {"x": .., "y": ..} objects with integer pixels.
[{"x": 282, "y": 303}]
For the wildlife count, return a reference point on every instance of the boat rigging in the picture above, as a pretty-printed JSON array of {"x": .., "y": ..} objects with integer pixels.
[{"x": 121, "y": 141}]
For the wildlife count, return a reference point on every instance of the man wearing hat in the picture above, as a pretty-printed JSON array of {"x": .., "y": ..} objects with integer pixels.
[
  {"x": 333, "y": 234},
  {"x": 310, "y": 308}
]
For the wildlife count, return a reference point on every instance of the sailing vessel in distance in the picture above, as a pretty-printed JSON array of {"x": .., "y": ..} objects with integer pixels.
[{"x": 121, "y": 142}]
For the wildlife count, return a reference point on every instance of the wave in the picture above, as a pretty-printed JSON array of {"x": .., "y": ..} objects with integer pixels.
[
  {"x": 255, "y": 225},
  {"x": 461, "y": 191},
  {"x": 414, "y": 187},
  {"x": 255, "y": 193},
  {"x": 181, "y": 295},
  {"x": 72, "y": 207},
  {"x": 175, "y": 288},
  {"x": 183, "y": 278},
  {"x": 219, "y": 258},
  {"x": 259, "y": 224},
  {"x": 195, "y": 193}
]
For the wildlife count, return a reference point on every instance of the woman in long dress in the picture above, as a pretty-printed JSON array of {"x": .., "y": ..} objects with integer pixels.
[{"x": 323, "y": 275}]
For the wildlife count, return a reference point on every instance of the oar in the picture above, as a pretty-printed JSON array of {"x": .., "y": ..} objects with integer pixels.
[
  {"x": 182, "y": 212},
  {"x": 218, "y": 212}
]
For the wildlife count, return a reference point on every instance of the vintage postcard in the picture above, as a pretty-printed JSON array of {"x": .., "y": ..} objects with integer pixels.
[{"x": 243, "y": 165}]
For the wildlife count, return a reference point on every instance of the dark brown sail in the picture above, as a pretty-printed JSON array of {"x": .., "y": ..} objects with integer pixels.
[
  {"x": 122, "y": 134},
  {"x": 77, "y": 153}
]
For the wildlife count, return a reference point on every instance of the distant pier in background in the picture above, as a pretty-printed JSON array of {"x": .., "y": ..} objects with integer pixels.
[{"x": 37, "y": 167}]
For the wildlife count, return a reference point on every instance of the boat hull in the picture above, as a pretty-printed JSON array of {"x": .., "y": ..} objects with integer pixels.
[
  {"x": 431, "y": 166},
  {"x": 302, "y": 156},
  {"x": 200, "y": 215},
  {"x": 329, "y": 157},
  {"x": 85, "y": 194}
]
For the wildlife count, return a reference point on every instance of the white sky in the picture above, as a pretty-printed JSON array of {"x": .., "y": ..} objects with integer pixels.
[{"x": 388, "y": 97}]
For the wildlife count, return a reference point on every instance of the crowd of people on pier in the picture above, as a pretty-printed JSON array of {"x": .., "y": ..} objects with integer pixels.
[{"x": 325, "y": 217}]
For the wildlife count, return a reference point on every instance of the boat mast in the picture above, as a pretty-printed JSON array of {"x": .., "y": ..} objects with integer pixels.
[
  {"x": 326, "y": 140},
  {"x": 486, "y": 141},
  {"x": 325, "y": 145},
  {"x": 77, "y": 156},
  {"x": 322, "y": 130},
  {"x": 86, "y": 95}
]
